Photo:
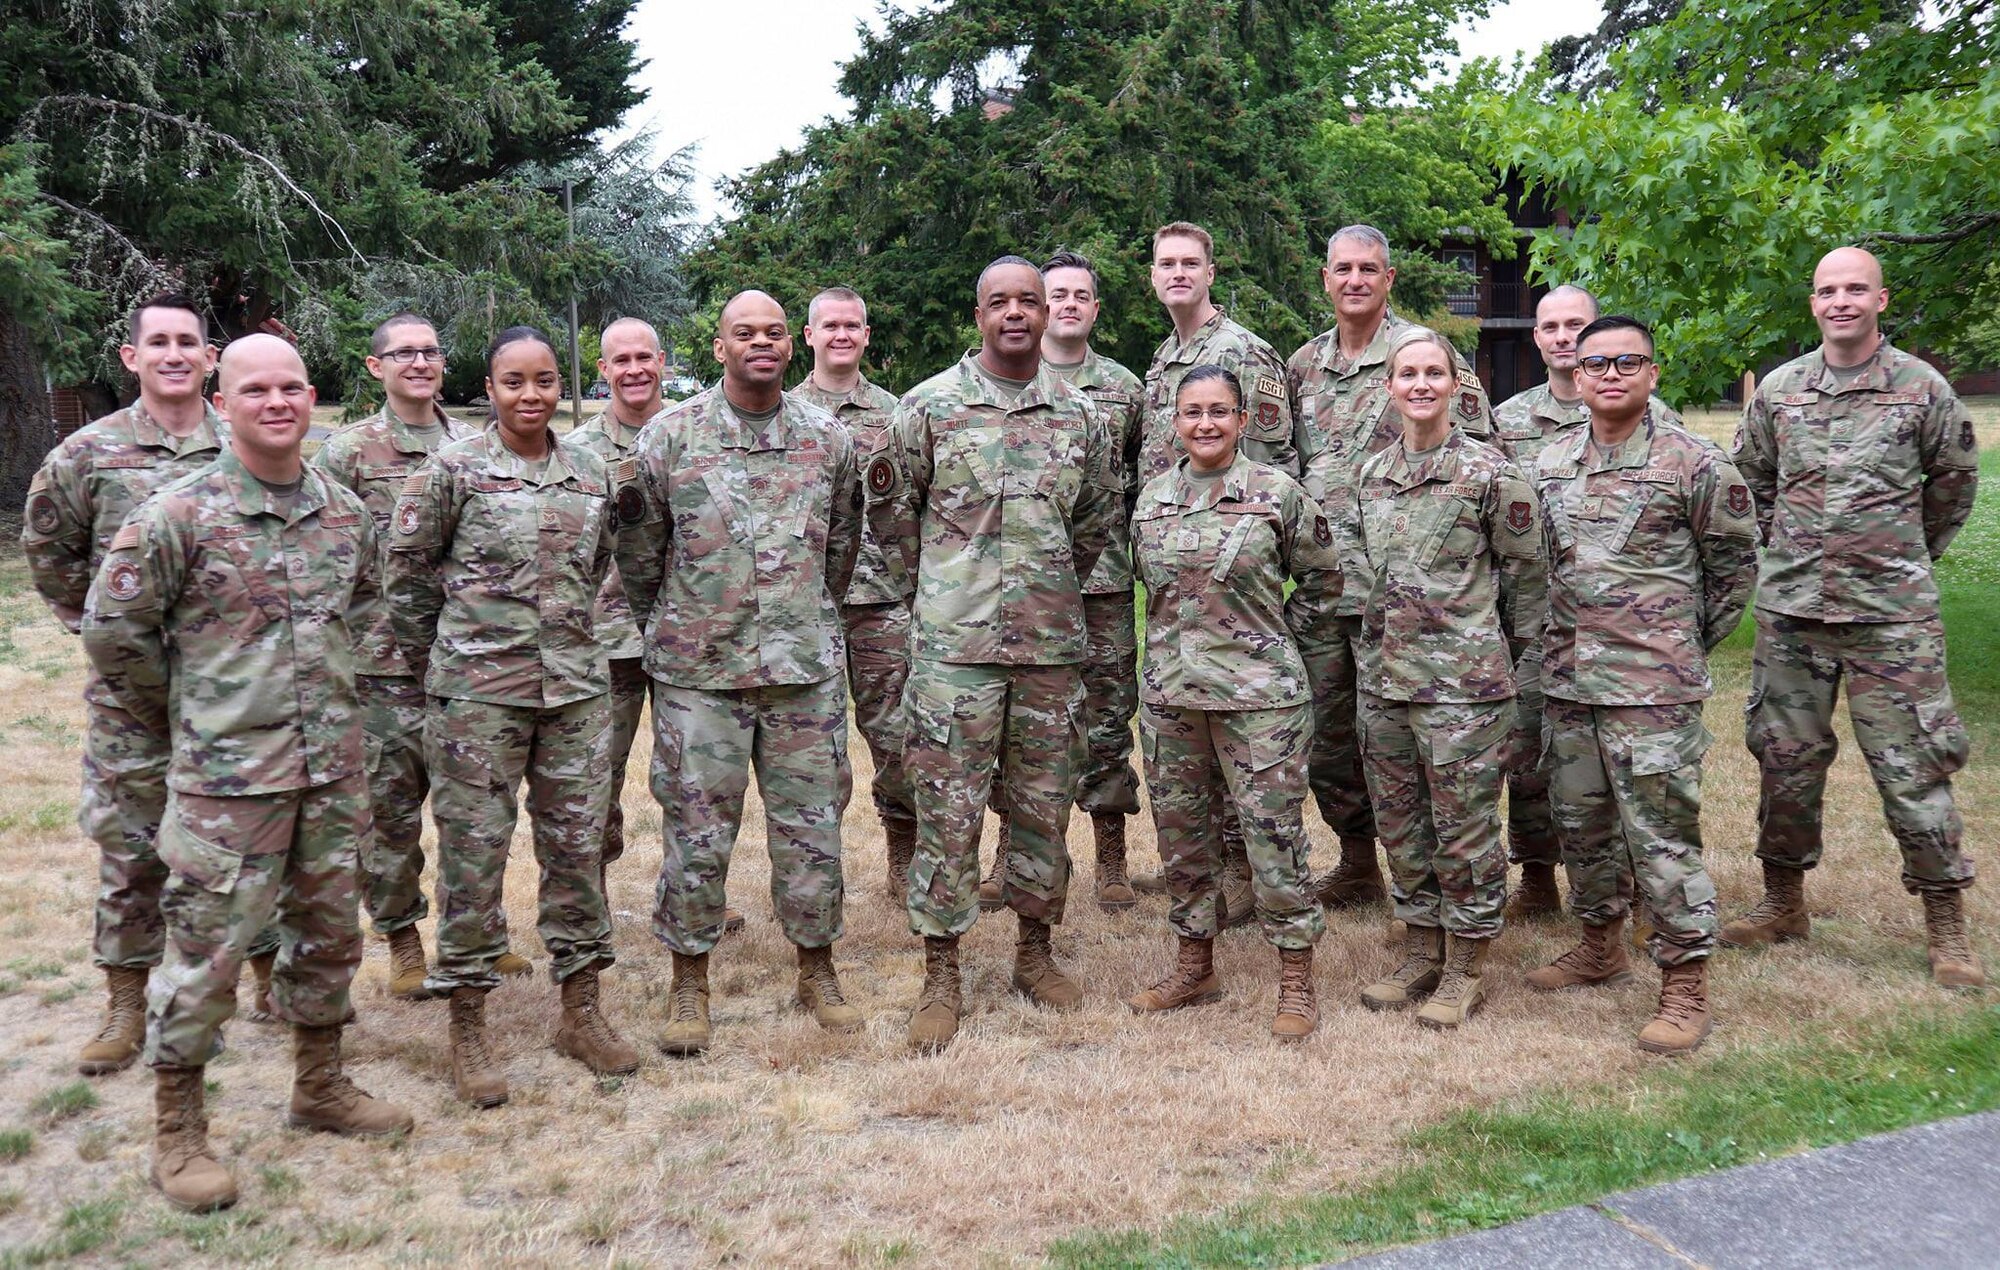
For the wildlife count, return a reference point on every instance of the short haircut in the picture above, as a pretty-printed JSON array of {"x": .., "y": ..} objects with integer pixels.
[
  {"x": 1360, "y": 233},
  {"x": 1207, "y": 371},
  {"x": 615, "y": 323},
  {"x": 979, "y": 288},
  {"x": 1410, "y": 337},
  {"x": 848, "y": 294},
  {"x": 514, "y": 335},
  {"x": 1186, "y": 229},
  {"x": 378, "y": 343},
  {"x": 1067, "y": 259},
  {"x": 1615, "y": 322},
  {"x": 1566, "y": 289},
  {"x": 166, "y": 300}
]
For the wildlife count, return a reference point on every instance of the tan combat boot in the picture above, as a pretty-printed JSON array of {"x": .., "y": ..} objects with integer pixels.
[
  {"x": 585, "y": 1035},
  {"x": 261, "y": 1008},
  {"x": 819, "y": 991},
  {"x": 1114, "y": 893},
  {"x": 1298, "y": 1005},
  {"x": 406, "y": 966},
  {"x": 123, "y": 1032},
  {"x": 1147, "y": 883},
  {"x": 992, "y": 890},
  {"x": 475, "y": 1076},
  {"x": 1356, "y": 880},
  {"x": 941, "y": 1002},
  {"x": 902, "y": 840},
  {"x": 1239, "y": 895},
  {"x": 512, "y": 965},
  {"x": 184, "y": 1169},
  {"x": 1600, "y": 961},
  {"x": 1036, "y": 975},
  {"x": 1536, "y": 896},
  {"x": 1779, "y": 916},
  {"x": 1462, "y": 989},
  {"x": 687, "y": 1007},
  {"x": 1953, "y": 963},
  {"x": 1422, "y": 967},
  {"x": 1682, "y": 1022},
  {"x": 324, "y": 1098},
  {"x": 1192, "y": 981}
]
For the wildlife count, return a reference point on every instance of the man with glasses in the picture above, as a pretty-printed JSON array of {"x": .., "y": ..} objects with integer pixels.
[
  {"x": 1864, "y": 465},
  {"x": 1652, "y": 559}
]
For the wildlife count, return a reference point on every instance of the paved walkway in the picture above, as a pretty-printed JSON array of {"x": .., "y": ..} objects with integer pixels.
[{"x": 1928, "y": 1196}]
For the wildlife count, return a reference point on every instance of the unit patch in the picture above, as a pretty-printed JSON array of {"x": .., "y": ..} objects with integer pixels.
[
  {"x": 1520, "y": 515},
  {"x": 1739, "y": 500},
  {"x": 121, "y": 581}
]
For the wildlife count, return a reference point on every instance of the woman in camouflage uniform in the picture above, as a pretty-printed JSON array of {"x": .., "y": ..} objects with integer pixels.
[{"x": 1226, "y": 710}]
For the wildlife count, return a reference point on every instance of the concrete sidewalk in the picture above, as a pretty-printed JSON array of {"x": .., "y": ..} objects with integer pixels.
[{"x": 1928, "y": 1196}]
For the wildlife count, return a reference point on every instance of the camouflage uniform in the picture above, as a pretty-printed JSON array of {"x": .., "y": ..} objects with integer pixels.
[
  {"x": 1228, "y": 706},
  {"x": 738, "y": 540},
  {"x": 1859, "y": 488},
  {"x": 1652, "y": 562},
  {"x": 624, "y": 648},
  {"x": 76, "y": 502},
  {"x": 494, "y": 569},
  {"x": 998, "y": 511},
  {"x": 875, "y": 617},
  {"x": 1343, "y": 414},
  {"x": 1220, "y": 341},
  {"x": 374, "y": 458},
  {"x": 1451, "y": 550},
  {"x": 229, "y": 626}
]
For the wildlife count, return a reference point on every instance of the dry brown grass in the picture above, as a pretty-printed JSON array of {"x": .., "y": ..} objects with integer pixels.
[{"x": 789, "y": 1146}]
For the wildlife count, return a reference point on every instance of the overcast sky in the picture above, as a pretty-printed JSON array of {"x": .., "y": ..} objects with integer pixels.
[{"x": 745, "y": 94}]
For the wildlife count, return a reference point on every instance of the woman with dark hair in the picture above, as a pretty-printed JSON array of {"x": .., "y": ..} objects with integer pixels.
[
  {"x": 497, "y": 552},
  {"x": 1226, "y": 709}
]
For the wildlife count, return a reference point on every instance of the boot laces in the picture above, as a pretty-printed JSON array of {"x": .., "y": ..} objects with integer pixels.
[
  {"x": 1945, "y": 921},
  {"x": 939, "y": 988},
  {"x": 1295, "y": 995},
  {"x": 469, "y": 1038},
  {"x": 1680, "y": 998},
  {"x": 826, "y": 984},
  {"x": 687, "y": 1000}
]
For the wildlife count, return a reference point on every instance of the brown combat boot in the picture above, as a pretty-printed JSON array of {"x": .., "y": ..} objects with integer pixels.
[
  {"x": 261, "y": 1008},
  {"x": 406, "y": 966},
  {"x": 1298, "y": 1006},
  {"x": 991, "y": 888},
  {"x": 687, "y": 1007},
  {"x": 941, "y": 1002},
  {"x": 819, "y": 991},
  {"x": 1953, "y": 963},
  {"x": 902, "y": 840},
  {"x": 1600, "y": 961},
  {"x": 123, "y": 1032},
  {"x": 1423, "y": 966},
  {"x": 475, "y": 1076},
  {"x": 585, "y": 1035},
  {"x": 1147, "y": 883},
  {"x": 1239, "y": 894},
  {"x": 512, "y": 965},
  {"x": 1779, "y": 916},
  {"x": 324, "y": 1098},
  {"x": 1035, "y": 973},
  {"x": 1682, "y": 1022},
  {"x": 1192, "y": 981},
  {"x": 1462, "y": 989},
  {"x": 1114, "y": 893},
  {"x": 1536, "y": 896},
  {"x": 1356, "y": 879},
  {"x": 184, "y": 1169}
]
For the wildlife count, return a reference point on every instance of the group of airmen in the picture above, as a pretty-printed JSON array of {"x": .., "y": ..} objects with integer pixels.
[{"x": 1360, "y": 583}]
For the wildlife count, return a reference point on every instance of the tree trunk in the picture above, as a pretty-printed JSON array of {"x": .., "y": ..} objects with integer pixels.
[{"x": 27, "y": 421}]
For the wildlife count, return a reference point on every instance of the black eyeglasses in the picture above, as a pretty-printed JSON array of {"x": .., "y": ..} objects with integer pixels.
[
  {"x": 405, "y": 356},
  {"x": 1627, "y": 363}
]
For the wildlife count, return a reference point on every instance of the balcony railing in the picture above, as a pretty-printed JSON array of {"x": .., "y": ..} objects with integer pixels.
[{"x": 1490, "y": 300}]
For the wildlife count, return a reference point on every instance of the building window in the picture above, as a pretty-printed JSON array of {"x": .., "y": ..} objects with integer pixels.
[{"x": 1461, "y": 297}]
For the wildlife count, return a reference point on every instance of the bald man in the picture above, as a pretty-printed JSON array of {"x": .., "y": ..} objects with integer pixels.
[
  {"x": 1863, "y": 465},
  {"x": 249, "y": 584}
]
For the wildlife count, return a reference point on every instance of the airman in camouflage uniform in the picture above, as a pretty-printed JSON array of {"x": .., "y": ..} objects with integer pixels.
[
  {"x": 1339, "y": 388},
  {"x": 374, "y": 458},
  {"x": 495, "y": 564},
  {"x": 1652, "y": 561},
  {"x": 740, "y": 541},
  {"x": 997, "y": 496},
  {"x": 224, "y": 617},
  {"x": 1451, "y": 549},
  {"x": 1228, "y": 706},
  {"x": 1864, "y": 465},
  {"x": 76, "y": 502},
  {"x": 875, "y": 612}
]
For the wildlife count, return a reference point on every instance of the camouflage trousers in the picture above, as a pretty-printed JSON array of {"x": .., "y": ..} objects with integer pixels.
[
  {"x": 1255, "y": 761},
  {"x": 1335, "y": 760},
  {"x": 705, "y": 745},
  {"x": 479, "y": 753},
  {"x": 878, "y": 661},
  {"x": 1626, "y": 782},
  {"x": 971, "y": 725},
  {"x": 629, "y": 686},
  {"x": 392, "y": 863},
  {"x": 1531, "y": 822},
  {"x": 1904, "y": 720},
  {"x": 1434, "y": 774},
  {"x": 235, "y": 864},
  {"x": 124, "y": 794},
  {"x": 1106, "y": 783}
]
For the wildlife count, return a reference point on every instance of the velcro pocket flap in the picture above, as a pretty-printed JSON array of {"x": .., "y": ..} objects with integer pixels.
[{"x": 1659, "y": 753}]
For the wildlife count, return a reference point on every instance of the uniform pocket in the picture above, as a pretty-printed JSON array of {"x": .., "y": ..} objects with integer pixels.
[
  {"x": 1945, "y": 742},
  {"x": 1474, "y": 737},
  {"x": 1663, "y": 753},
  {"x": 209, "y": 865},
  {"x": 1272, "y": 746}
]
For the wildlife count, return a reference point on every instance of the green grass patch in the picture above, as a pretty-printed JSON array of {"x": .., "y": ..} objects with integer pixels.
[
  {"x": 1485, "y": 1168},
  {"x": 64, "y": 1102},
  {"x": 15, "y": 1144},
  {"x": 1969, "y": 580},
  {"x": 83, "y": 1227}
]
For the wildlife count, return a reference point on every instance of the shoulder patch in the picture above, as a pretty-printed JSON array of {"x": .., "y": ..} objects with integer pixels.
[
  {"x": 631, "y": 504},
  {"x": 881, "y": 476},
  {"x": 1468, "y": 404},
  {"x": 1520, "y": 516},
  {"x": 625, "y": 470},
  {"x": 418, "y": 482},
  {"x": 408, "y": 519},
  {"x": 126, "y": 538},
  {"x": 41, "y": 481},
  {"x": 1268, "y": 385},
  {"x": 122, "y": 580},
  {"x": 1322, "y": 530},
  {"x": 1738, "y": 500},
  {"x": 1968, "y": 440}
]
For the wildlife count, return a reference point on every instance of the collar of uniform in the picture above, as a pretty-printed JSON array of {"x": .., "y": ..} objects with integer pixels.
[
  {"x": 1174, "y": 352},
  {"x": 623, "y": 435},
  {"x": 720, "y": 417},
  {"x": 1442, "y": 464},
  {"x": 501, "y": 461},
  {"x": 405, "y": 443},
  {"x": 1546, "y": 405},
  {"x": 831, "y": 402},
  {"x": 207, "y": 434},
  {"x": 1576, "y": 452},
  {"x": 1041, "y": 390},
  {"x": 1375, "y": 354},
  {"x": 253, "y": 500},
  {"x": 1233, "y": 485},
  {"x": 1874, "y": 376}
]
